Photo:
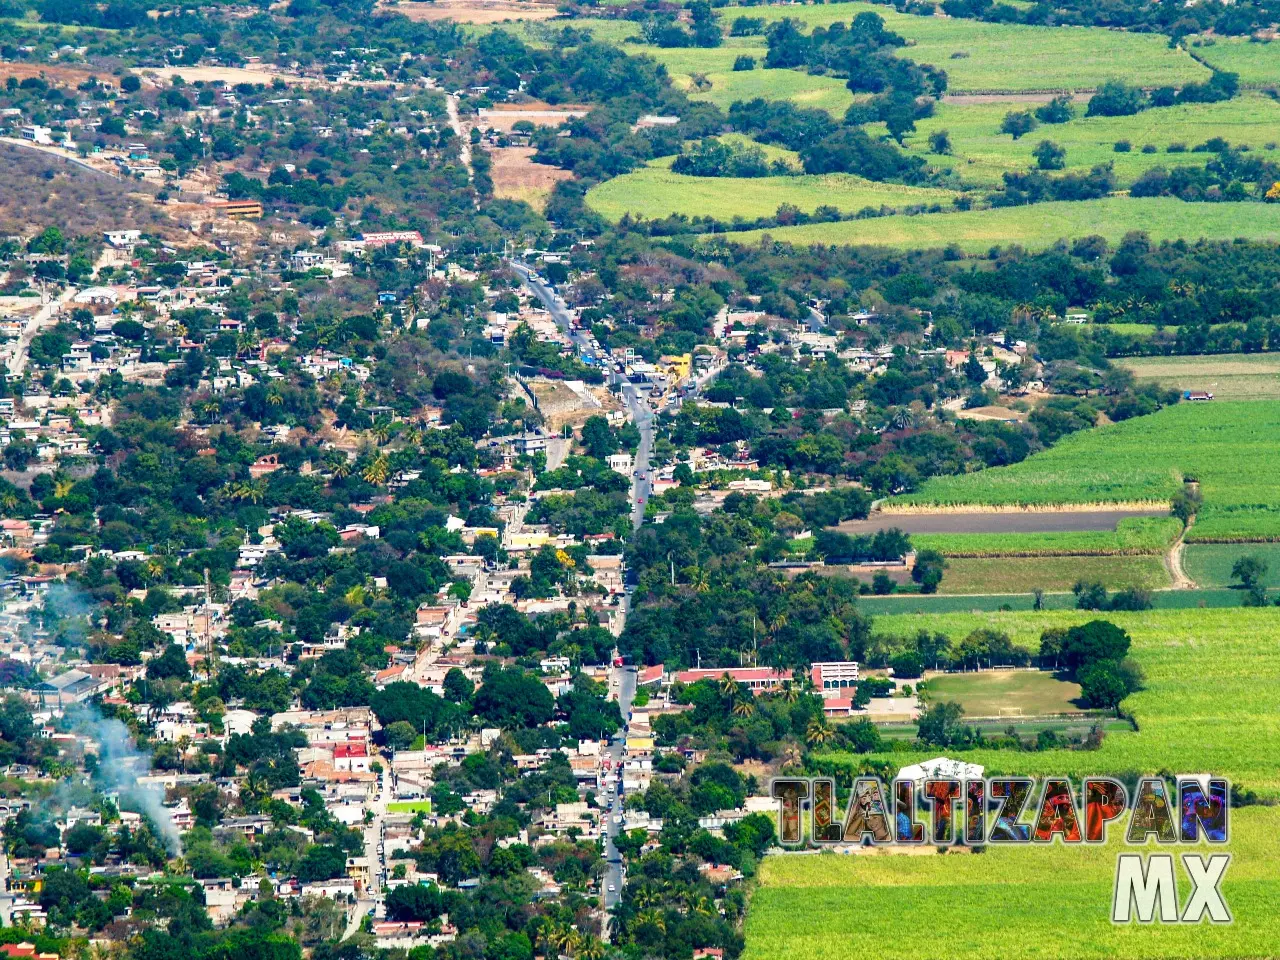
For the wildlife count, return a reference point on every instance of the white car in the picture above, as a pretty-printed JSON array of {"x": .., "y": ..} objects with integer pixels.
[{"x": 612, "y": 888}]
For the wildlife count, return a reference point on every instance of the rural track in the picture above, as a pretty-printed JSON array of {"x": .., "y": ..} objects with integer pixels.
[{"x": 1173, "y": 560}]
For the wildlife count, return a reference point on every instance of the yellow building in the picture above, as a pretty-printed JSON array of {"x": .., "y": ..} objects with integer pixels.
[
  {"x": 677, "y": 367},
  {"x": 639, "y": 744}
]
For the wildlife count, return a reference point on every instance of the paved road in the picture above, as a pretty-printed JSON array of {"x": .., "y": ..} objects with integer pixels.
[
  {"x": 635, "y": 397},
  {"x": 614, "y": 874},
  {"x": 371, "y": 895}
]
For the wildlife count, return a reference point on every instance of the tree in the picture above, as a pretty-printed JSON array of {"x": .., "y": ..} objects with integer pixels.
[
  {"x": 171, "y": 663},
  {"x": 1092, "y": 642},
  {"x": 1018, "y": 123},
  {"x": 940, "y": 724},
  {"x": 457, "y": 686},
  {"x": 940, "y": 142},
  {"x": 512, "y": 698},
  {"x": 1251, "y": 571},
  {"x": 1057, "y": 110},
  {"x": 1049, "y": 156},
  {"x": 417, "y": 902},
  {"x": 400, "y": 735},
  {"x": 1116, "y": 99},
  {"x": 907, "y": 665},
  {"x": 1102, "y": 685},
  {"x": 928, "y": 570},
  {"x": 1090, "y": 595},
  {"x": 322, "y": 863}
]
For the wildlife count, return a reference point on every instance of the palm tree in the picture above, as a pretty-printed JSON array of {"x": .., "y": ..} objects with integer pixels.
[
  {"x": 699, "y": 580},
  {"x": 381, "y": 431},
  {"x": 591, "y": 949},
  {"x": 274, "y": 397},
  {"x": 342, "y": 469},
  {"x": 62, "y": 487},
  {"x": 743, "y": 708},
  {"x": 376, "y": 471},
  {"x": 653, "y": 918},
  {"x": 818, "y": 733},
  {"x": 728, "y": 686},
  {"x": 789, "y": 692}
]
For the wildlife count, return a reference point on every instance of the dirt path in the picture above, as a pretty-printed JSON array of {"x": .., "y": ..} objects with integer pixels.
[
  {"x": 1173, "y": 560},
  {"x": 464, "y": 136}
]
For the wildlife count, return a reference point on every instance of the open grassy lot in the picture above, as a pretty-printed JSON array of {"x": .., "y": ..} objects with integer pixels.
[
  {"x": 1257, "y": 62},
  {"x": 1058, "y": 574},
  {"x": 1132, "y": 536},
  {"x": 654, "y": 191},
  {"x": 980, "y": 153},
  {"x": 1229, "y": 448},
  {"x": 409, "y": 806},
  {"x": 1012, "y": 57},
  {"x": 1208, "y": 705},
  {"x": 1209, "y": 564},
  {"x": 1011, "y": 902},
  {"x": 1233, "y": 376},
  {"x": 1041, "y": 225},
  {"x": 985, "y": 694}
]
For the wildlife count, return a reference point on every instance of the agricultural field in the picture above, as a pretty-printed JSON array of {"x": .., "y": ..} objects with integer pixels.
[
  {"x": 654, "y": 191},
  {"x": 993, "y": 693},
  {"x": 1228, "y": 447},
  {"x": 980, "y": 153},
  {"x": 1235, "y": 376},
  {"x": 1208, "y": 704},
  {"x": 1209, "y": 564},
  {"x": 724, "y": 88},
  {"x": 927, "y": 605},
  {"x": 1130, "y": 538},
  {"x": 1041, "y": 225},
  {"x": 985, "y": 575},
  {"x": 1257, "y": 62},
  {"x": 990, "y": 57},
  {"x": 1011, "y": 902}
]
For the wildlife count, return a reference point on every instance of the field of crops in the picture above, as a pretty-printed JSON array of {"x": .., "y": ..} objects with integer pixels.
[
  {"x": 1229, "y": 448},
  {"x": 913, "y": 604},
  {"x": 1025, "y": 574},
  {"x": 1042, "y": 225},
  {"x": 984, "y": 57},
  {"x": 654, "y": 191},
  {"x": 1209, "y": 564},
  {"x": 1208, "y": 706},
  {"x": 1011, "y": 902},
  {"x": 1235, "y": 376},
  {"x": 1257, "y": 62},
  {"x": 1134, "y": 535},
  {"x": 980, "y": 153},
  {"x": 729, "y": 86}
]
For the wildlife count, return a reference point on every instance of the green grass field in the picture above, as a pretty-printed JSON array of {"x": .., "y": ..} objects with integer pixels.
[
  {"x": 1209, "y": 564},
  {"x": 1009, "y": 57},
  {"x": 1052, "y": 574},
  {"x": 409, "y": 806},
  {"x": 980, "y": 153},
  {"x": 986, "y": 694},
  {"x": 1229, "y": 448},
  {"x": 654, "y": 191},
  {"x": 1233, "y": 376},
  {"x": 1011, "y": 902},
  {"x": 1256, "y": 62},
  {"x": 920, "y": 605},
  {"x": 1208, "y": 705},
  {"x": 1040, "y": 225},
  {"x": 729, "y": 86},
  {"x": 1132, "y": 536}
]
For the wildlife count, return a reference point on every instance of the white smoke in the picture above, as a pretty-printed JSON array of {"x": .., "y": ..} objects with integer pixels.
[{"x": 120, "y": 764}]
